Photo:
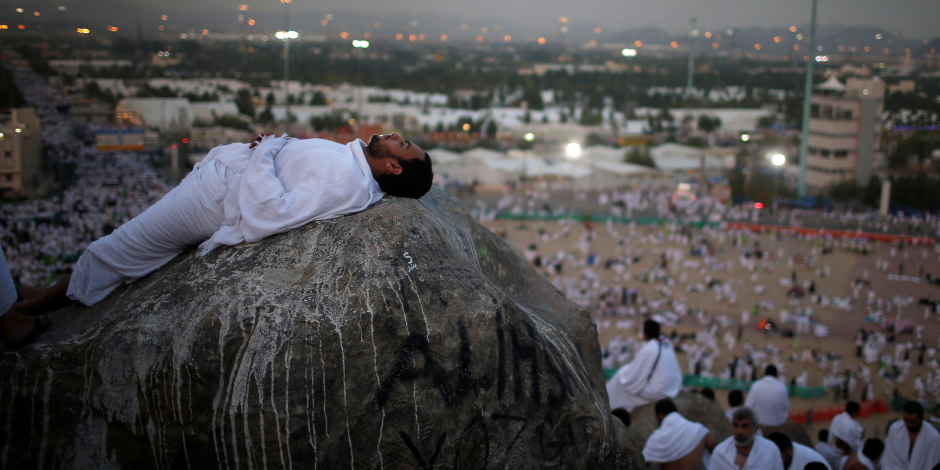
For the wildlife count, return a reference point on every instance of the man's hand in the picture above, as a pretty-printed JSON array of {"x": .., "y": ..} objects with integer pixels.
[{"x": 258, "y": 139}]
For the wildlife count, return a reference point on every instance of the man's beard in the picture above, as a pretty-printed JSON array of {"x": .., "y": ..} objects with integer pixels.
[
  {"x": 377, "y": 150},
  {"x": 741, "y": 443},
  {"x": 917, "y": 429}
]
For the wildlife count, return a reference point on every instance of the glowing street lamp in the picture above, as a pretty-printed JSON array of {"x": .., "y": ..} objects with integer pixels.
[
  {"x": 573, "y": 150},
  {"x": 529, "y": 137},
  {"x": 628, "y": 52},
  {"x": 360, "y": 44},
  {"x": 778, "y": 159}
]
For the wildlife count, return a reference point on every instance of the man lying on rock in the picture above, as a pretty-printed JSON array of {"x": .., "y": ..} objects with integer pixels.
[{"x": 238, "y": 193}]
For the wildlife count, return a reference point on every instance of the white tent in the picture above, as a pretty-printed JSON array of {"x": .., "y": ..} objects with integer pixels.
[
  {"x": 483, "y": 154},
  {"x": 443, "y": 156}
]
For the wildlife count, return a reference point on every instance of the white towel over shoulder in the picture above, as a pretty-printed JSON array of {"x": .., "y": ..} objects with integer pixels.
[
  {"x": 674, "y": 439},
  {"x": 926, "y": 452}
]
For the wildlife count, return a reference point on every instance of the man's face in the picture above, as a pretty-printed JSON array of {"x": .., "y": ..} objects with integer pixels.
[
  {"x": 394, "y": 147},
  {"x": 743, "y": 431},
  {"x": 913, "y": 422},
  {"x": 787, "y": 457}
]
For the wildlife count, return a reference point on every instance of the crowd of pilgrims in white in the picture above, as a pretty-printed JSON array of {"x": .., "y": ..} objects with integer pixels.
[
  {"x": 639, "y": 259},
  {"x": 43, "y": 238}
]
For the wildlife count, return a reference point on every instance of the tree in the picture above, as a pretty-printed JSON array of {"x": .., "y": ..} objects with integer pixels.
[
  {"x": 491, "y": 129},
  {"x": 533, "y": 98},
  {"x": 244, "y": 102},
  {"x": 639, "y": 155},
  {"x": 269, "y": 100},
  {"x": 708, "y": 124},
  {"x": 319, "y": 99},
  {"x": 266, "y": 116}
]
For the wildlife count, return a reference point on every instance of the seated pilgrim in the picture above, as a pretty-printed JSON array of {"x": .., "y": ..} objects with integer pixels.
[
  {"x": 652, "y": 375},
  {"x": 845, "y": 434},
  {"x": 910, "y": 445},
  {"x": 768, "y": 398},
  {"x": 245, "y": 192},
  {"x": 795, "y": 455},
  {"x": 745, "y": 450},
  {"x": 832, "y": 455},
  {"x": 678, "y": 444},
  {"x": 864, "y": 459}
]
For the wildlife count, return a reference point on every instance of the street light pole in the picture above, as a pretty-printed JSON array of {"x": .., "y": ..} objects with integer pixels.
[
  {"x": 287, "y": 39},
  {"x": 807, "y": 99},
  {"x": 778, "y": 160}
]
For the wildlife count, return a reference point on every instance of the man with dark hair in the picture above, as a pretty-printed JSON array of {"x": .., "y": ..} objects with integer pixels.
[
  {"x": 736, "y": 400},
  {"x": 769, "y": 398},
  {"x": 865, "y": 460},
  {"x": 845, "y": 433},
  {"x": 745, "y": 450},
  {"x": 910, "y": 445},
  {"x": 795, "y": 455},
  {"x": 245, "y": 193},
  {"x": 707, "y": 392},
  {"x": 678, "y": 444},
  {"x": 652, "y": 375},
  {"x": 623, "y": 415}
]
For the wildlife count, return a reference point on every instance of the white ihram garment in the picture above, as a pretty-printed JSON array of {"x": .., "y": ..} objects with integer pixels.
[
  {"x": 847, "y": 430},
  {"x": 833, "y": 456},
  {"x": 674, "y": 439},
  {"x": 803, "y": 455},
  {"x": 768, "y": 398},
  {"x": 629, "y": 387},
  {"x": 764, "y": 455},
  {"x": 234, "y": 195},
  {"x": 926, "y": 453}
]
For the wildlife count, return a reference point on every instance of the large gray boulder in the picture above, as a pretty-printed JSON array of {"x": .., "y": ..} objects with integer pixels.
[
  {"x": 406, "y": 336},
  {"x": 691, "y": 406}
]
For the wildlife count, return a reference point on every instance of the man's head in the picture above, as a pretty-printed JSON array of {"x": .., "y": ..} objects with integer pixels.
[
  {"x": 663, "y": 408},
  {"x": 744, "y": 424},
  {"x": 815, "y": 466},
  {"x": 707, "y": 392},
  {"x": 852, "y": 409},
  {"x": 913, "y": 414},
  {"x": 785, "y": 445},
  {"x": 650, "y": 329},
  {"x": 873, "y": 448},
  {"x": 823, "y": 435},
  {"x": 771, "y": 370},
  {"x": 623, "y": 414},
  {"x": 400, "y": 167},
  {"x": 735, "y": 398}
]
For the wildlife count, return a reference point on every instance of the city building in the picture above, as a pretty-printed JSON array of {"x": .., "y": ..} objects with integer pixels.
[
  {"x": 21, "y": 173},
  {"x": 844, "y": 131}
]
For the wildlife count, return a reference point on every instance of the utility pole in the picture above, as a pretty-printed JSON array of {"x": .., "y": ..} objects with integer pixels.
[
  {"x": 286, "y": 64},
  {"x": 691, "y": 83},
  {"x": 807, "y": 102}
]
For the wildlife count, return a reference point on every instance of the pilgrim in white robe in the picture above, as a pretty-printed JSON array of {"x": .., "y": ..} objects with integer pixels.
[
  {"x": 674, "y": 439},
  {"x": 924, "y": 456},
  {"x": 764, "y": 455},
  {"x": 235, "y": 194},
  {"x": 768, "y": 398},
  {"x": 845, "y": 428},
  {"x": 803, "y": 455},
  {"x": 862, "y": 459},
  {"x": 647, "y": 378},
  {"x": 833, "y": 456}
]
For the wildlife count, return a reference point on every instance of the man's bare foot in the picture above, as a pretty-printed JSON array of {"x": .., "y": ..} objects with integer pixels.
[{"x": 18, "y": 330}]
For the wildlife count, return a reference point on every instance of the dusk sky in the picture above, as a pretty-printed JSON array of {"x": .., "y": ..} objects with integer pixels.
[{"x": 915, "y": 18}]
